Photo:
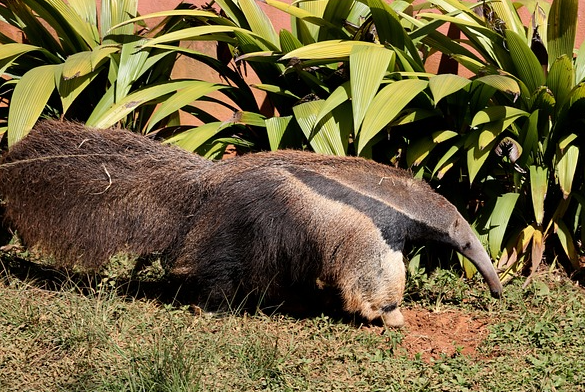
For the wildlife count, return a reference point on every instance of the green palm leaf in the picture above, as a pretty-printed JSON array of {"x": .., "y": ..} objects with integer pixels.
[
  {"x": 525, "y": 61},
  {"x": 121, "y": 109},
  {"x": 499, "y": 220},
  {"x": 114, "y": 13},
  {"x": 567, "y": 169},
  {"x": 538, "y": 188},
  {"x": 78, "y": 64},
  {"x": 71, "y": 88},
  {"x": 561, "y": 29},
  {"x": 181, "y": 98},
  {"x": 30, "y": 96},
  {"x": 386, "y": 106},
  {"x": 9, "y": 53},
  {"x": 276, "y": 127},
  {"x": 325, "y": 136},
  {"x": 210, "y": 33},
  {"x": 129, "y": 67},
  {"x": 506, "y": 114},
  {"x": 477, "y": 154},
  {"x": 502, "y": 83},
  {"x": 75, "y": 33},
  {"x": 194, "y": 138},
  {"x": 561, "y": 78},
  {"x": 368, "y": 65},
  {"x": 302, "y": 14},
  {"x": 566, "y": 240},
  {"x": 259, "y": 22},
  {"x": 337, "y": 97},
  {"x": 332, "y": 50},
  {"x": 170, "y": 13},
  {"x": 443, "y": 85}
]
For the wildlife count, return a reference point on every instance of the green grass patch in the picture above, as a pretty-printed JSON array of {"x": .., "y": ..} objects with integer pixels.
[{"x": 79, "y": 339}]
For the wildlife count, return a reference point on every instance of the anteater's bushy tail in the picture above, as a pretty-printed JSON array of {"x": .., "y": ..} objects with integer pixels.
[{"x": 84, "y": 195}]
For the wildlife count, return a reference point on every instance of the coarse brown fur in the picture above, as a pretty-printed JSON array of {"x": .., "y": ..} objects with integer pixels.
[
  {"x": 84, "y": 196},
  {"x": 263, "y": 224}
]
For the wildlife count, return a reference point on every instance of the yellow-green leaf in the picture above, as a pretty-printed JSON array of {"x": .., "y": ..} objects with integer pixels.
[
  {"x": 561, "y": 78},
  {"x": 498, "y": 222},
  {"x": 308, "y": 32},
  {"x": 538, "y": 188},
  {"x": 68, "y": 22},
  {"x": 10, "y": 52},
  {"x": 209, "y": 33},
  {"x": 276, "y": 127},
  {"x": 386, "y": 106},
  {"x": 566, "y": 240},
  {"x": 446, "y": 161},
  {"x": 443, "y": 85},
  {"x": 489, "y": 133},
  {"x": 561, "y": 29},
  {"x": 192, "y": 139},
  {"x": 169, "y": 13},
  {"x": 527, "y": 65},
  {"x": 114, "y": 13},
  {"x": 507, "y": 13},
  {"x": 567, "y": 168},
  {"x": 130, "y": 66},
  {"x": 441, "y": 136},
  {"x": 325, "y": 136},
  {"x": 259, "y": 21},
  {"x": 181, "y": 98},
  {"x": 87, "y": 11},
  {"x": 337, "y": 97},
  {"x": 418, "y": 151},
  {"x": 505, "y": 114},
  {"x": 474, "y": 65},
  {"x": 299, "y": 13},
  {"x": 76, "y": 65},
  {"x": 565, "y": 141},
  {"x": 29, "y": 98},
  {"x": 119, "y": 110},
  {"x": 70, "y": 89},
  {"x": 270, "y": 88},
  {"x": 99, "y": 53},
  {"x": 247, "y": 118},
  {"x": 502, "y": 83},
  {"x": 368, "y": 65},
  {"x": 334, "y": 50},
  {"x": 476, "y": 157}
]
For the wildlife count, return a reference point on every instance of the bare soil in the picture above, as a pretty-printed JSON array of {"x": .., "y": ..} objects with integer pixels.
[{"x": 449, "y": 333}]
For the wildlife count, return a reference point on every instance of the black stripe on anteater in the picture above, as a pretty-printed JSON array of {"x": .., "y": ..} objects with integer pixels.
[{"x": 394, "y": 225}]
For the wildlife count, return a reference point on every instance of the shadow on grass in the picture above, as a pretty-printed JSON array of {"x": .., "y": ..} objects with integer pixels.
[{"x": 297, "y": 302}]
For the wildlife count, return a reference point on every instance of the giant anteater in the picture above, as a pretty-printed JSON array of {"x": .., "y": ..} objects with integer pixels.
[{"x": 265, "y": 223}]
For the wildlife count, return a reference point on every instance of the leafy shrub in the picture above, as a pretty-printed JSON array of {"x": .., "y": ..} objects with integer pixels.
[
  {"x": 348, "y": 79},
  {"x": 521, "y": 156},
  {"x": 99, "y": 72}
]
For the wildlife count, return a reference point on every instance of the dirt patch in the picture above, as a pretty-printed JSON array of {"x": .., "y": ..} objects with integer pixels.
[{"x": 449, "y": 333}]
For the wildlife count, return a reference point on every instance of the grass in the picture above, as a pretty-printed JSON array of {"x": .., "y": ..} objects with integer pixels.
[{"x": 79, "y": 339}]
